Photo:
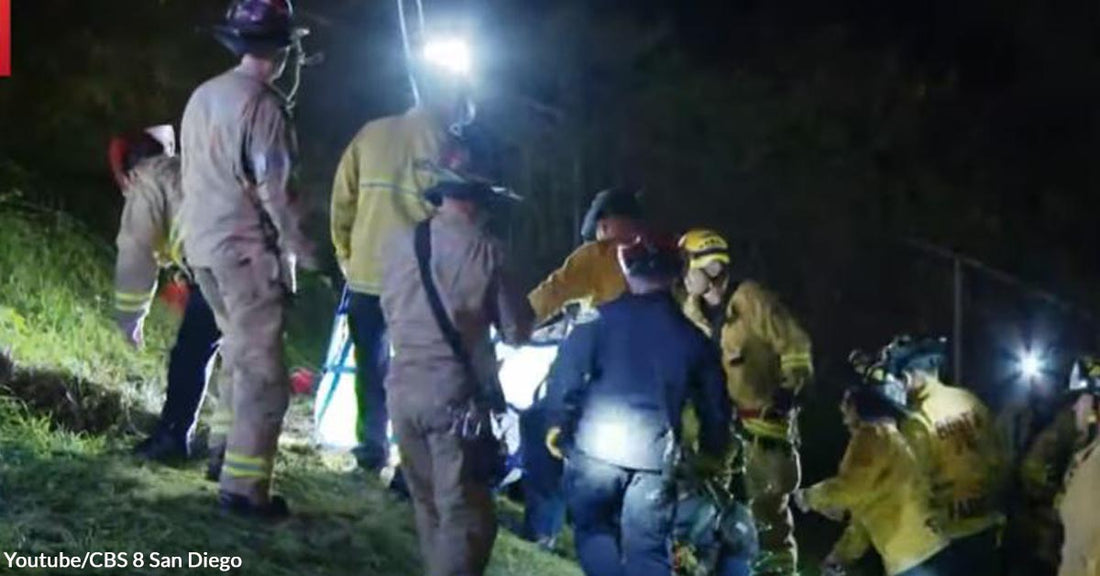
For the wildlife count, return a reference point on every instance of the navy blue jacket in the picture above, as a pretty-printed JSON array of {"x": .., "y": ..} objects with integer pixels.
[{"x": 621, "y": 382}]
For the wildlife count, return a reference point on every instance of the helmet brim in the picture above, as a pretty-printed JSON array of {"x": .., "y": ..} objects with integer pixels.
[
  {"x": 474, "y": 192},
  {"x": 241, "y": 42}
]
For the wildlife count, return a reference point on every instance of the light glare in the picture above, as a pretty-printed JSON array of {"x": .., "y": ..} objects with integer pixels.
[
  {"x": 451, "y": 54},
  {"x": 1031, "y": 364}
]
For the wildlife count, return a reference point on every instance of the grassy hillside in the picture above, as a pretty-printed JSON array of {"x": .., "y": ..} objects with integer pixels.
[{"x": 67, "y": 411}]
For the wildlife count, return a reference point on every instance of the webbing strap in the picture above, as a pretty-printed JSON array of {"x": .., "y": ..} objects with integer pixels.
[{"x": 423, "y": 247}]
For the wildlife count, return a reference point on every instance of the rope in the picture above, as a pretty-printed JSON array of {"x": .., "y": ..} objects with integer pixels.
[{"x": 408, "y": 51}]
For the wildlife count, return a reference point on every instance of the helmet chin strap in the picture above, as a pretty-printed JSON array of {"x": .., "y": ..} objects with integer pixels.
[
  {"x": 298, "y": 59},
  {"x": 465, "y": 118}
]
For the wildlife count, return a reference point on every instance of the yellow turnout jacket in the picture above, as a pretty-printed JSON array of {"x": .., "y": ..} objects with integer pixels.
[
  {"x": 762, "y": 346},
  {"x": 953, "y": 432},
  {"x": 885, "y": 490},
  {"x": 378, "y": 191}
]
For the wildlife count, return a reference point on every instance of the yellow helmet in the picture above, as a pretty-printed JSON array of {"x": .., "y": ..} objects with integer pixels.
[{"x": 703, "y": 247}]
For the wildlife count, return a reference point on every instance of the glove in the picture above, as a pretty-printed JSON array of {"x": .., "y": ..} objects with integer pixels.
[{"x": 553, "y": 437}]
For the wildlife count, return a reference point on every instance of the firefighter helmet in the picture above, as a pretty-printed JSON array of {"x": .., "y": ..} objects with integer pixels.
[
  {"x": 1085, "y": 376},
  {"x": 703, "y": 247},
  {"x": 617, "y": 201},
  {"x": 875, "y": 377},
  {"x": 906, "y": 353},
  {"x": 258, "y": 26}
]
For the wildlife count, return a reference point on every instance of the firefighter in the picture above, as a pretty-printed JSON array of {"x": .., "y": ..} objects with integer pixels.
[
  {"x": 766, "y": 356},
  {"x": 953, "y": 432},
  {"x": 444, "y": 285},
  {"x": 1034, "y": 531},
  {"x": 883, "y": 490},
  {"x": 590, "y": 275},
  {"x": 1081, "y": 549},
  {"x": 378, "y": 191},
  {"x": 148, "y": 171},
  {"x": 242, "y": 239}
]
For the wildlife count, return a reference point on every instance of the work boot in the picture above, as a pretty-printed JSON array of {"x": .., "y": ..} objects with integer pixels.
[
  {"x": 238, "y": 505},
  {"x": 394, "y": 480},
  {"x": 214, "y": 464},
  {"x": 164, "y": 448},
  {"x": 276, "y": 509},
  {"x": 370, "y": 457}
]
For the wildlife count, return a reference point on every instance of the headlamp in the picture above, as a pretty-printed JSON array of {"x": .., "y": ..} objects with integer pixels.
[{"x": 449, "y": 54}]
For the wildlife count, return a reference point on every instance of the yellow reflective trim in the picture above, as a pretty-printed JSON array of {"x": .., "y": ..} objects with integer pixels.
[
  {"x": 236, "y": 472},
  {"x": 246, "y": 460},
  {"x": 220, "y": 428},
  {"x": 247, "y": 467},
  {"x": 123, "y": 307},
  {"x": 767, "y": 429},
  {"x": 796, "y": 360},
  {"x": 133, "y": 297}
]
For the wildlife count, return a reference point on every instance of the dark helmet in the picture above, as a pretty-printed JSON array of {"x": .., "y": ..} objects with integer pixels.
[
  {"x": 617, "y": 201},
  {"x": 651, "y": 257},
  {"x": 877, "y": 385},
  {"x": 906, "y": 353},
  {"x": 258, "y": 26}
]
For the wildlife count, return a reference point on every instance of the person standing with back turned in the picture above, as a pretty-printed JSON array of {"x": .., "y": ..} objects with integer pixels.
[
  {"x": 444, "y": 284},
  {"x": 379, "y": 191},
  {"x": 242, "y": 239}
]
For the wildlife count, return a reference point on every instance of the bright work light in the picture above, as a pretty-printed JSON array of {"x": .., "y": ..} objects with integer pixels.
[
  {"x": 451, "y": 54},
  {"x": 1031, "y": 364}
]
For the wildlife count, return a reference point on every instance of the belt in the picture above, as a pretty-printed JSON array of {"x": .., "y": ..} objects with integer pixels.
[{"x": 767, "y": 439}]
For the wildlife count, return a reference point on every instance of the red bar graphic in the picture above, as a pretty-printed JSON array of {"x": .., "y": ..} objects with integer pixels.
[{"x": 5, "y": 38}]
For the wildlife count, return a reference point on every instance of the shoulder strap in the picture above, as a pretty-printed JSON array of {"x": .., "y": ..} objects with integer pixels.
[{"x": 423, "y": 245}]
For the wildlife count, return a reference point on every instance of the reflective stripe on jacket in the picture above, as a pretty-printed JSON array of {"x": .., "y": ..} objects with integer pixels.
[
  {"x": 883, "y": 487},
  {"x": 148, "y": 237},
  {"x": 762, "y": 346},
  {"x": 378, "y": 191},
  {"x": 590, "y": 276},
  {"x": 953, "y": 433}
]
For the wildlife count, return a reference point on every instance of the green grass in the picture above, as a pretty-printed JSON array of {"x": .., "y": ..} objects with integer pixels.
[{"x": 67, "y": 483}]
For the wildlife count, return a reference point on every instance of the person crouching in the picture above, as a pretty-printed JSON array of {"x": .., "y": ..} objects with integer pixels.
[{"x": 883, "y": 489}]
